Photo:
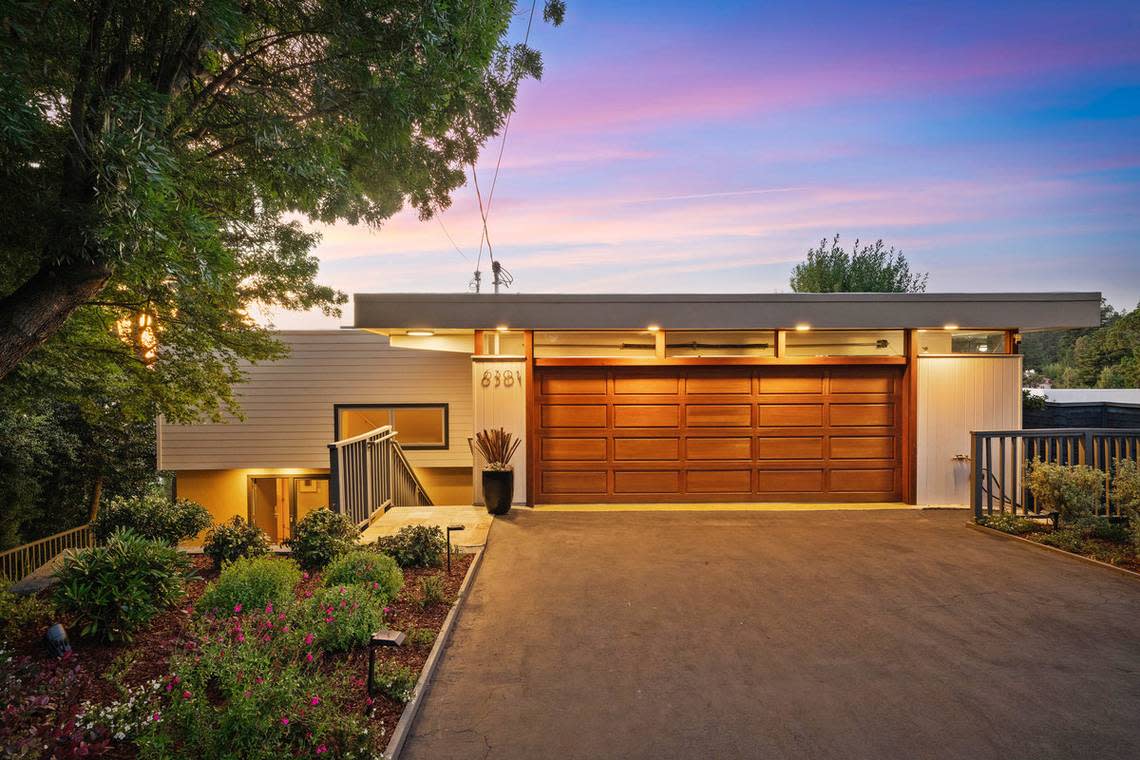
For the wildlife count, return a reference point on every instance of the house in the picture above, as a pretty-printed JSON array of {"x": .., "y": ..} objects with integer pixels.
[{"x": 839, "y": 397}]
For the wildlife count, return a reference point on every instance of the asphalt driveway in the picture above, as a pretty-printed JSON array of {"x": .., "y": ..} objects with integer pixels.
[{"x": 783, "y": 635}]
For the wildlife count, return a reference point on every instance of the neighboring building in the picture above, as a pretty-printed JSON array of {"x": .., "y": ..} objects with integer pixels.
[
  {"x": 635, "y": 398},
  {"x": 1084, "y": 408}
]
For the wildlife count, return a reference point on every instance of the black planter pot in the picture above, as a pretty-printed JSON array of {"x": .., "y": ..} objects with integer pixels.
[{"x": 498, "y": 489}]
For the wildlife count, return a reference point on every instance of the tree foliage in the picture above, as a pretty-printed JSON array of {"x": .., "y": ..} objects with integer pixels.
[
  {"x": 1100, "y": 357},
  {"x": 867, "y": 269},
  {"x": 158, "y": 159}
]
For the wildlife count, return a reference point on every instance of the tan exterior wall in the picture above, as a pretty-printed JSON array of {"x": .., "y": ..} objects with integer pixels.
[
  {"x": 224, "y": 492},
  {"x": 957, "y": 395},
  {"x": 288, "y": 405}
]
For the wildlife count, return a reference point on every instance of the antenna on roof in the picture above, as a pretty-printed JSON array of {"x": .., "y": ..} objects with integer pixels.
[
  {"x": 500, "y": 276},
  {"x": 474, "y": 284}
]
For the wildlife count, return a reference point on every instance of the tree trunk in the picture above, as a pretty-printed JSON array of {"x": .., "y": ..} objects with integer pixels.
[
  {"x": 96, "y": 493},
  {"x": 38, "y": 308}
]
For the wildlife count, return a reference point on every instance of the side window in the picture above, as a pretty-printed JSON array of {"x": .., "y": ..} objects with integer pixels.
[{"x": 418, "y": 426}]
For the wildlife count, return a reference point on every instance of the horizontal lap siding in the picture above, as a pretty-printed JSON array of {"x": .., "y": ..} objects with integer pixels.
[
  {"x": 288, "y": 405},
  {"x": 723, "y": 434}
]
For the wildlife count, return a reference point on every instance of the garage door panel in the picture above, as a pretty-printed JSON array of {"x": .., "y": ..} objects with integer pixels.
[
  {"x": 862, "y": 447},
  {"x": 861, "y": 414},
  {"x": 788, "y": 447},
  {"x": 718, "y": 433},
  {"x": 718, "y": 415},
  {"x": 799, "y": 481},
  {"x": 563, "y": 449},
  {"x": 575, "y": 383},
  {"x": 635, "y": 449},
  {"x": 647, "y": 482},
  {"x": 574, "y": 415},
  {"x": 790, "y": 415},
  {"x": 646, "y": 385},
  {"x": 718, "y": 385},
  {"x": 862, "y": 480},
  {"x": 592, "y": 482},
  {"x": 718, "y": 448},
  {"x": 718, "y": 481},
  {"x": 646, "y": 415}
]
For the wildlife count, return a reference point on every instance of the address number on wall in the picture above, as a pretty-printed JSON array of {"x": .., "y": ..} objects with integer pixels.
[{"x": 500, "y": 379}]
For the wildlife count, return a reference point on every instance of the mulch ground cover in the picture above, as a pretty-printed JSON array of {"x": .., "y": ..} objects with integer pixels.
[{"x": 106, "y": 668}]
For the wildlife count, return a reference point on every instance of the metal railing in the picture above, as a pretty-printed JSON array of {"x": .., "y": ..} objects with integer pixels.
[
  {"x": 19, "y": 562},
  {"x": 1001, "y": 459},
  {"x": 370, "y": 473}
]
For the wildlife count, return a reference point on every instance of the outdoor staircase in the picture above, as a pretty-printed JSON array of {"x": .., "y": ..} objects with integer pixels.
[{"x": 369, "y": 473}]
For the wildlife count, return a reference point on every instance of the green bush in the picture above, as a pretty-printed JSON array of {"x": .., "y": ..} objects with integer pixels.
[
  {"x": 251, "y": 583},
  {"x": 1069, "y": 539},
  {"x": 20, "y": 612},
  {"x": 431, "y": 591},
  {"x": 1007, "y": 523},
  {"x": 378, "y": 572},
  {"x": 152, "y": 515},
  {"x": 234, "y": 539},
  {"x": 1113, "y": 555},
  {"x": 415, "y": 546},
  {"x": 1126, "y": 496},
  {"x": 321, "y": 535},
  {"x": 1101, "y": 527},
  {"x": 421, "y": 637},
  {"x": 341, "y": 618},
  {"x": 1073, "y": 491},
  {"x": 395, "y": 681},
  {"x": 115, "y": 589}
]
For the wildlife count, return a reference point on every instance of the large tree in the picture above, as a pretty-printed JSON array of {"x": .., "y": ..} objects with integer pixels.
[
  {"x": 158, "y": 159},
  {"x": 867, "y": 269}
]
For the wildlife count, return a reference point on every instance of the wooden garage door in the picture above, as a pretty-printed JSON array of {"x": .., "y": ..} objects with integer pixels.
[{"x": 718, "y": 434}]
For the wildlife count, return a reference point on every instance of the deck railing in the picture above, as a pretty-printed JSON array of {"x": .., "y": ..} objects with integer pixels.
[
  {"x": 370, "y": 473},
  {"x": 21, "y": 561},
  {"x": 1001, "y": 459}
]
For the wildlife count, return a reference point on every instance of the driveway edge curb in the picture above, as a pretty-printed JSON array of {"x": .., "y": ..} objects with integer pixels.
[
  {"x": 1054, "y": 549},
  {"x": 423, "y": 685}
]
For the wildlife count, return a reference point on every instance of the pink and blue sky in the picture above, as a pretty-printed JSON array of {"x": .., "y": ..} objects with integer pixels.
[{"x": 704, "y": 147}]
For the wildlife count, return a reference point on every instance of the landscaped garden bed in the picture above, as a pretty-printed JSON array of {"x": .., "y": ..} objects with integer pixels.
[
  {"x": 262, "y": 657},
  {"x": 1075, "y": 495}
]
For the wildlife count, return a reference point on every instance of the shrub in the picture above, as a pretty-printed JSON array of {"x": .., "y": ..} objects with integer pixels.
[
  {"x": 421, "y": 637},
  {"x": 1126, "y": 487},
  {"x": 415, "y": 546},
  {"x": 395, "y": 681},
  {"x": 1008, "y": 523},
  {"x": 114, "y": 589},
  {"x": 246, "y": 691},
  {"x": 1069, "y": 539},
  {"x": 1113, "y": 555},
  {"x": 1073, "y": 491},
  {"x": 251, "y": 583},
  {"x": 341, "y": 618},
  {"x": 321, "y": 535},
  {"x": 20, "y": 612},
  {"x": 1102, "y": 528},
  {"x": 152, "y": 515},
  {"x": 378, "y": 572},
  {"x": 233, "y": 539},
  {"x": 431, "y": 591}
]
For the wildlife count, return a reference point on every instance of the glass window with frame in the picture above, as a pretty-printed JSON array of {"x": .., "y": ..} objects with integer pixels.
[
  {"x": 417, "y": 426},
  {"x": 626, "y": 344},
  {"x": 843, "y": 343},
  {"x": 961, "y": 342},
  {"x": 702, "y": 343}
]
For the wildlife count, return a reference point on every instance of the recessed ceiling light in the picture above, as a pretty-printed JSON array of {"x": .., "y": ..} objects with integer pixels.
[
  {"x": 803, "y": 327},
  {"x": 503, "y": 328},
  {"x": 421, "y": 333},
  {"x": 653, "y": 328},
  {"x": 950, "y": 327}
]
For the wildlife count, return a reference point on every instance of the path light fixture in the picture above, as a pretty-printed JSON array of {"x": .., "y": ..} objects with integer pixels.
[
  {"x": 382, "y": 638},
  {"x": 449, "y": 529}
]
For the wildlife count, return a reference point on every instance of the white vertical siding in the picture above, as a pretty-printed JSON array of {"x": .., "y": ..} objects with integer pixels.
[
  {"x": 500, "y": 401},
  {"x": 288, "y": 405},
  {"x": 957, "y": 395}
]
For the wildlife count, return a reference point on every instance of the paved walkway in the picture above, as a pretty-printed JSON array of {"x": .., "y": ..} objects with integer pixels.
[
  {"x": 783, "y": 635},
  {"x": 475, "y": 521}
]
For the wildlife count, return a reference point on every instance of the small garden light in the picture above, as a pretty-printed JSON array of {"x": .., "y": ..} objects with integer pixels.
[
  {"x": 449, "y": 529},
  {"x": 57, "y": 642},
  {"x": 382, "y": 638}
]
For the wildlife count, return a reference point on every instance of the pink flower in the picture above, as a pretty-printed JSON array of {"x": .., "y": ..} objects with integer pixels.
[
  {"x": 308, "y": 639},
  {"x": 269, "y": 609},
  {"x": 322, "y": 749},
  {"x": 155, "y": 717},
  {"x": 241, "y": 637},
  {"x": 304, "y": 576},
  {"x": 315, "y": 701},
  {"x": 309, "y": 657},
  {"x": 284, "y": 721},
  {"x": 387, "y": 610},
  {"x": 186, "y": 695},
  {"x": 237, "y": 607}
]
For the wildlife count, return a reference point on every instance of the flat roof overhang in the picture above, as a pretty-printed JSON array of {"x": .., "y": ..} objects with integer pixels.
[{"x": 686, "y": 311}]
